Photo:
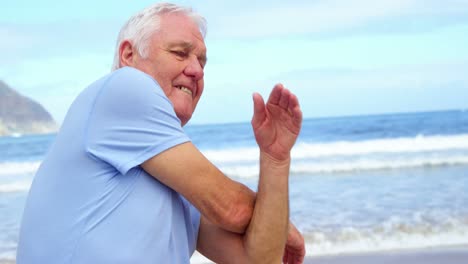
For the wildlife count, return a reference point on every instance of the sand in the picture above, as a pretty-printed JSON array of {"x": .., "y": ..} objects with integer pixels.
[{"x": 457, "y": 255}]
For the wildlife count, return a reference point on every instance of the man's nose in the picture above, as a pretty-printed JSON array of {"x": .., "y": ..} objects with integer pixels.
[{"x": 194, "y": 69}]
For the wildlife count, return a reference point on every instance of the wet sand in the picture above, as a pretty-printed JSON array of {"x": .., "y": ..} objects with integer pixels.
[{"x": 457, "y": 255}]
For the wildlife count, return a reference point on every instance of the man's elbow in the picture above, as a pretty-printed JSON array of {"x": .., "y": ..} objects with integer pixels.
[
  {"x": 235, "y": 215},
  {"x": 239, "y": 218}
]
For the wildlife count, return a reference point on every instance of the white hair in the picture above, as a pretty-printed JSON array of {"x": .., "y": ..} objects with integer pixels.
[{"x": 140, "y": 27}]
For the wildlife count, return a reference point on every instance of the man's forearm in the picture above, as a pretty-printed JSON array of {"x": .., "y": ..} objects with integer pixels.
[
  {"x": 276, "y": 126},
  {"x": 266, "y": 234}
]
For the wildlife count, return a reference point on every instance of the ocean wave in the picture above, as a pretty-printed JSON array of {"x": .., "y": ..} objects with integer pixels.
[
  {"x": 390, "y": 235},
  {"x": 348, "y": 156},
  {"x": 302, "y": 150},
  {"x": 7, "y": 251},
  {"x": 417, "y": 144},
  {"x": 18, "y": 186},
  {"x": 373, "y": 164},
  {"x": 350, "y": 165},
  {"x": 14, "y": 168}
]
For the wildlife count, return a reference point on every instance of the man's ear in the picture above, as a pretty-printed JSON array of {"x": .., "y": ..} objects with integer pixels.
[{"x": 126, "y": 54}]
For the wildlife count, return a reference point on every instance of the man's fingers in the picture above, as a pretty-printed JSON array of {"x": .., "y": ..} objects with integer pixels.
[
  {"x": 295, "y": 109},
  {"x": 259, "y": 110},
  {"x": 285, "y": 98},
  {"x": 275, "y": 94}
]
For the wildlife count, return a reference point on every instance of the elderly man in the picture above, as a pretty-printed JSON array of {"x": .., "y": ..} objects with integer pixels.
[{"x": 123, "y": 183}]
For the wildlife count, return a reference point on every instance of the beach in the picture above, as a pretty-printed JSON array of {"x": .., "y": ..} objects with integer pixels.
[
  {"x": 439, "y": 255},
  {"x": 453, "y": 255}
]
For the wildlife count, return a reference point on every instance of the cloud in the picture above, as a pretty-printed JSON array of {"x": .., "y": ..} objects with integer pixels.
[
  {"x": 237, "y": 61},
  {"x": 415, "y": 76},
  {"x": 78, "y": 66},
  {"x": 56, "y": 81},
  {"x": 402, "y": 88},
  {"x": 26, "y": 41},
  {"x": 53, "y": 60},
  {"x": 328, "y": 16},
  {"x": 15, "y": 42}
]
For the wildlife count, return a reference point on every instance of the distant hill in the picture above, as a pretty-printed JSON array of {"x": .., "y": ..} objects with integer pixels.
[{"x": 21, "y": 115}]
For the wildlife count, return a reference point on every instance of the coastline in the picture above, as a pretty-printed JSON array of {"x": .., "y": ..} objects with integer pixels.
[
  {"x": 434, "y": 255},
  {"x": 437, "y": 255}
]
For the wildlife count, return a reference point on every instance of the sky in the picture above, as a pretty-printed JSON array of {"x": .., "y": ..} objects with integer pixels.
[{"x": 341, "y": 58}]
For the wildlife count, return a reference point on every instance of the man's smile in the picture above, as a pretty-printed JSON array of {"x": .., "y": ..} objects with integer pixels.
[{"x": 185, "y": 90}]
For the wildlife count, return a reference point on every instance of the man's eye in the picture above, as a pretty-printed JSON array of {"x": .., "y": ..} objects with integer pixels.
[{"x": 179, "y": 53}]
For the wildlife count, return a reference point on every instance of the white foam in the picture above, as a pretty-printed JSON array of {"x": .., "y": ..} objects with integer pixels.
[
  {"x": 393, "y": 145},
  {"x": 8, "y": 250},
  {"x": 19, "y": 186},
  {"x": 14, "y": 168},
  {"x": 389, "y": 236},
  {"x": 350, "y": 165},
  {"x": 370, "y": 164},
  {"x": 377, "y": 244},
  {"x": 311, "y": 158},
  {"x": 347, "y": 148}
]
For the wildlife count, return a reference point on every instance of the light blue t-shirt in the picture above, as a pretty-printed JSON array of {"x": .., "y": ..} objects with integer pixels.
[{"x": 90, "y": 201}]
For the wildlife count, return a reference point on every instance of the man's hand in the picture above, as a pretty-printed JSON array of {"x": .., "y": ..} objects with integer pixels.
[
  {"x": 277, "y": 124},
  {"x": 294, "y": 251}
]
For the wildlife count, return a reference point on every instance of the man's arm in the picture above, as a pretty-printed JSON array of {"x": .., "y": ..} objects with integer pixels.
[
  {"x": 276, "y": 128},
  {"x": 226, "y": 203},
  {"x": 265, "y": 237},
  {"x": 222, "y": 246}
]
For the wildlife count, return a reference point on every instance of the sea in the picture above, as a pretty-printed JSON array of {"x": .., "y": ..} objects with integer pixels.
[{"x": 357, "y": 183}]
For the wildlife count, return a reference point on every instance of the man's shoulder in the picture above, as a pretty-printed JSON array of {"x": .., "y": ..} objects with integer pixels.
[
  {"x": 128, "y": 79},
  {"x": 130, "y": 74}
]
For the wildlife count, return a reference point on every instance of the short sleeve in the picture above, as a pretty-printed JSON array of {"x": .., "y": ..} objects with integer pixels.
[
  {"x": 192, "y": 222},
  {"x": 131, "y": 121},
  {"x": 195, "y": 218}
]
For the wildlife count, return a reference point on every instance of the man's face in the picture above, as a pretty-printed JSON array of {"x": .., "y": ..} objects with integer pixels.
[{"x": 176, "y": 58}]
